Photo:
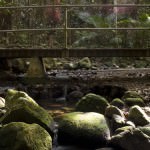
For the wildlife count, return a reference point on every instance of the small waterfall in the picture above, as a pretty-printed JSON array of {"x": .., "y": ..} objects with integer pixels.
[{"x": 55, "y": 130}]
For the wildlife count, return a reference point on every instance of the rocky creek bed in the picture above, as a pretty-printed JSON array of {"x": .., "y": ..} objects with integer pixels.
[
  {"x": 91, "y": 122},
  {"x": 77, "y": 110}
]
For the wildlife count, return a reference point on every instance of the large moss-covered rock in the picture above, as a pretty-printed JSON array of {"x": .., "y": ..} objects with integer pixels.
[
  {"x": 22, "y": 108},
  {"x": 22, "y": 136},
  {"x": 131, "y": 139},
  {"x": 88, "y": 129},
  {"x": 138, "y": 116},
  {"x": 92, "y": 103}
]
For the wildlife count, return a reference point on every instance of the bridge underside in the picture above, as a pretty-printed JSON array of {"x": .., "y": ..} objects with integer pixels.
[{"x": 98, "y": 52}]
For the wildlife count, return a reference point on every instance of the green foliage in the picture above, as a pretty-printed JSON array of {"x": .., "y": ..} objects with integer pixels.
[{"x": 89, "y": 17}]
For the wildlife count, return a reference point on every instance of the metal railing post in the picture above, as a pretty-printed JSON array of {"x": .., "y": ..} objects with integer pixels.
[{"x": 66, "y": 51}]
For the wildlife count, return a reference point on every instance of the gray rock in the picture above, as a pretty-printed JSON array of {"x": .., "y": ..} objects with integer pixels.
[
  {"x": 2, "y": 102},
  {"x": 134, "y": 139},
  {"x": 138, "y": 116},
  {"x": 2, "y": 112},
  {"x": 85, "y": 63},
  {"x": 117, "y": 122},
  {"x": 113, "y": 110}
]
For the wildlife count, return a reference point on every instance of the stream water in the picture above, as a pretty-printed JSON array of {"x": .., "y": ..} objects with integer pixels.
[{"x": 56, "y": 145}]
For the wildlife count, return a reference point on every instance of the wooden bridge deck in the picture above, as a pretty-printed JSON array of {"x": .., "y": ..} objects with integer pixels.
[{"x": 75, "y": 52}]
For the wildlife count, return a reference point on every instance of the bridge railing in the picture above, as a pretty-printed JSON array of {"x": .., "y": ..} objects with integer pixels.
[{"x": 37, "y": 40}]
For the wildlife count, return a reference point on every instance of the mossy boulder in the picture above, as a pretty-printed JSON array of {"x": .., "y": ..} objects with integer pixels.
[
  {"x": 138, "y": 116},
  {"x": 131, "y": 139},
  {"x": 92, "y": 103},
  {"x": 131, "y": 94},
  {"x": 22, "y": 108},
  {"x": 113, "y": 110},
  {"x": 118, "y": 103},
  {"x": 22, "y": 136},
  {"x": 134, "y": 101},
  {"x": 88, "y": 129},
  {"x": 74, "y": 96},
  {"x": 14, "y": 97},
  {"x": 84, "y": 63}
]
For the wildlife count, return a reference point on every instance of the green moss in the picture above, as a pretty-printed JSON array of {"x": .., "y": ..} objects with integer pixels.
[
  {"x": 14, "y": 98},
  {"x": 122, "y": 129},
  {"x": 131, "y": 94},
  {"x": 23, "y": 108},
  {"x": 145, "y": 130},
  {"x": 22, "y": 136},
  {"x": 130, "y": 140},
  {"x": 134, "y": 101},
  {"x": 78, "y": 127},
  {"x": 92, "y": 103},
  {"x": 138, "y": 116},
  {"x": 111, "y": 110},
  {"x": 117, "y": 102},
  {"x": 85, "y": 63}
]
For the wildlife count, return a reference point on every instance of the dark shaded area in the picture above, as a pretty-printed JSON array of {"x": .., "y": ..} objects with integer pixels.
[{"x": 108, "y": 91}]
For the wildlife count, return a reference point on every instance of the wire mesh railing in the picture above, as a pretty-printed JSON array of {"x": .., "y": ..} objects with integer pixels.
[{"x": 84, "y": 26}]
